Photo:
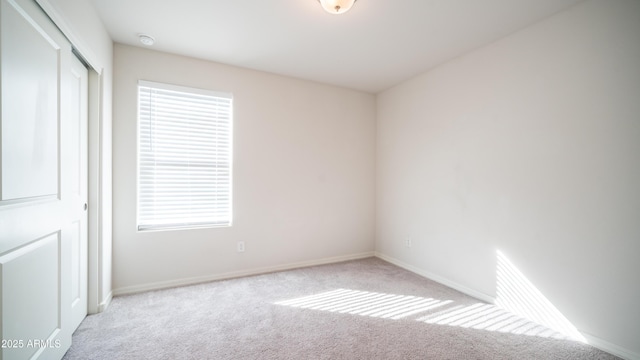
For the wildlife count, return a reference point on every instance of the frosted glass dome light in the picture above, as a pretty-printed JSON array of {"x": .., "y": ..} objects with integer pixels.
[{"x": 337, "y": 6}]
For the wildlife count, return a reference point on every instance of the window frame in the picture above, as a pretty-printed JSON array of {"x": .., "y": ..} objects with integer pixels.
[{"x": 190, "y": 91}]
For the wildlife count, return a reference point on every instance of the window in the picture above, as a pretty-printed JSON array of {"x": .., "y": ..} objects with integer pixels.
[{"x": 184, "y": 157}]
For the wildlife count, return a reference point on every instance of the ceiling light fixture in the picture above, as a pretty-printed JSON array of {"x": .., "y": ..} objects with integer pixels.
[
  {"x": 337, "y": 6},
  {"x": 146, "y": 39}
]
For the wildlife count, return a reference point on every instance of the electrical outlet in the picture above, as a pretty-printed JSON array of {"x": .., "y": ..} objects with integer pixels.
[
  {"x": 407, "y": 241},
  {"x": 240, "y": 246}
]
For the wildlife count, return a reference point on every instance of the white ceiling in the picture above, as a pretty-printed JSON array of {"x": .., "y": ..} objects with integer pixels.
[{"x": 376, "y": 45}]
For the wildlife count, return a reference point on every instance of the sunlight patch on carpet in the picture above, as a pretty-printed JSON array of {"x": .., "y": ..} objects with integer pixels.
[
  {"x": 488, "y": 317},
  {"x": 477, "y": 316},
  {"x": 364, "y": 303}
]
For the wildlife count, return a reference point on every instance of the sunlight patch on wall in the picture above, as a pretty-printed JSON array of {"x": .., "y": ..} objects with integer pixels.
[
  {"x": 364, "y": 303},
  {"x": 515, "y": 293}
]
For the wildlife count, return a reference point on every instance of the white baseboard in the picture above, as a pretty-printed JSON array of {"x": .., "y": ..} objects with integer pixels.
[
  {"x": 236, "y": 274},
  {"x": 105, "y": 303},
  {"x": 610, "y": 348},
  {"x": 463, "y": 289},
  {"x": 591, "y": 340}
]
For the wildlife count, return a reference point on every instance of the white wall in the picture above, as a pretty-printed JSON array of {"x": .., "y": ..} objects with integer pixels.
[
  {"x": 79, "y": 21},
  {"x": 303, "y": 174},
  {"x": 530, "y": 145}
]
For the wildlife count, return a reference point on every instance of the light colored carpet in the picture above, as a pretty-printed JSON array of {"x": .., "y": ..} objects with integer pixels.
[{"x": 364, "y": 309}]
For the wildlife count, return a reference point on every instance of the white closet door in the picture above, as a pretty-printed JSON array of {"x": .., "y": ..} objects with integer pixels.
[
  {"x": 42, "y": 188},
  {"x": 78, "y": 173}
]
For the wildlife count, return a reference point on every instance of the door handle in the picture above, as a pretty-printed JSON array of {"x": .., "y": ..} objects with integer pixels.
[{"x": 85, "y": 206}]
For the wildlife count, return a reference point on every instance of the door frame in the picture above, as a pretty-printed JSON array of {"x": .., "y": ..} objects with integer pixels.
[{"x": 99, "y": 260}]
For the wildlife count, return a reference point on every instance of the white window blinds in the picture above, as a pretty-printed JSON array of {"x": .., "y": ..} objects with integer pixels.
[{"x": 184, "y": 157}]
